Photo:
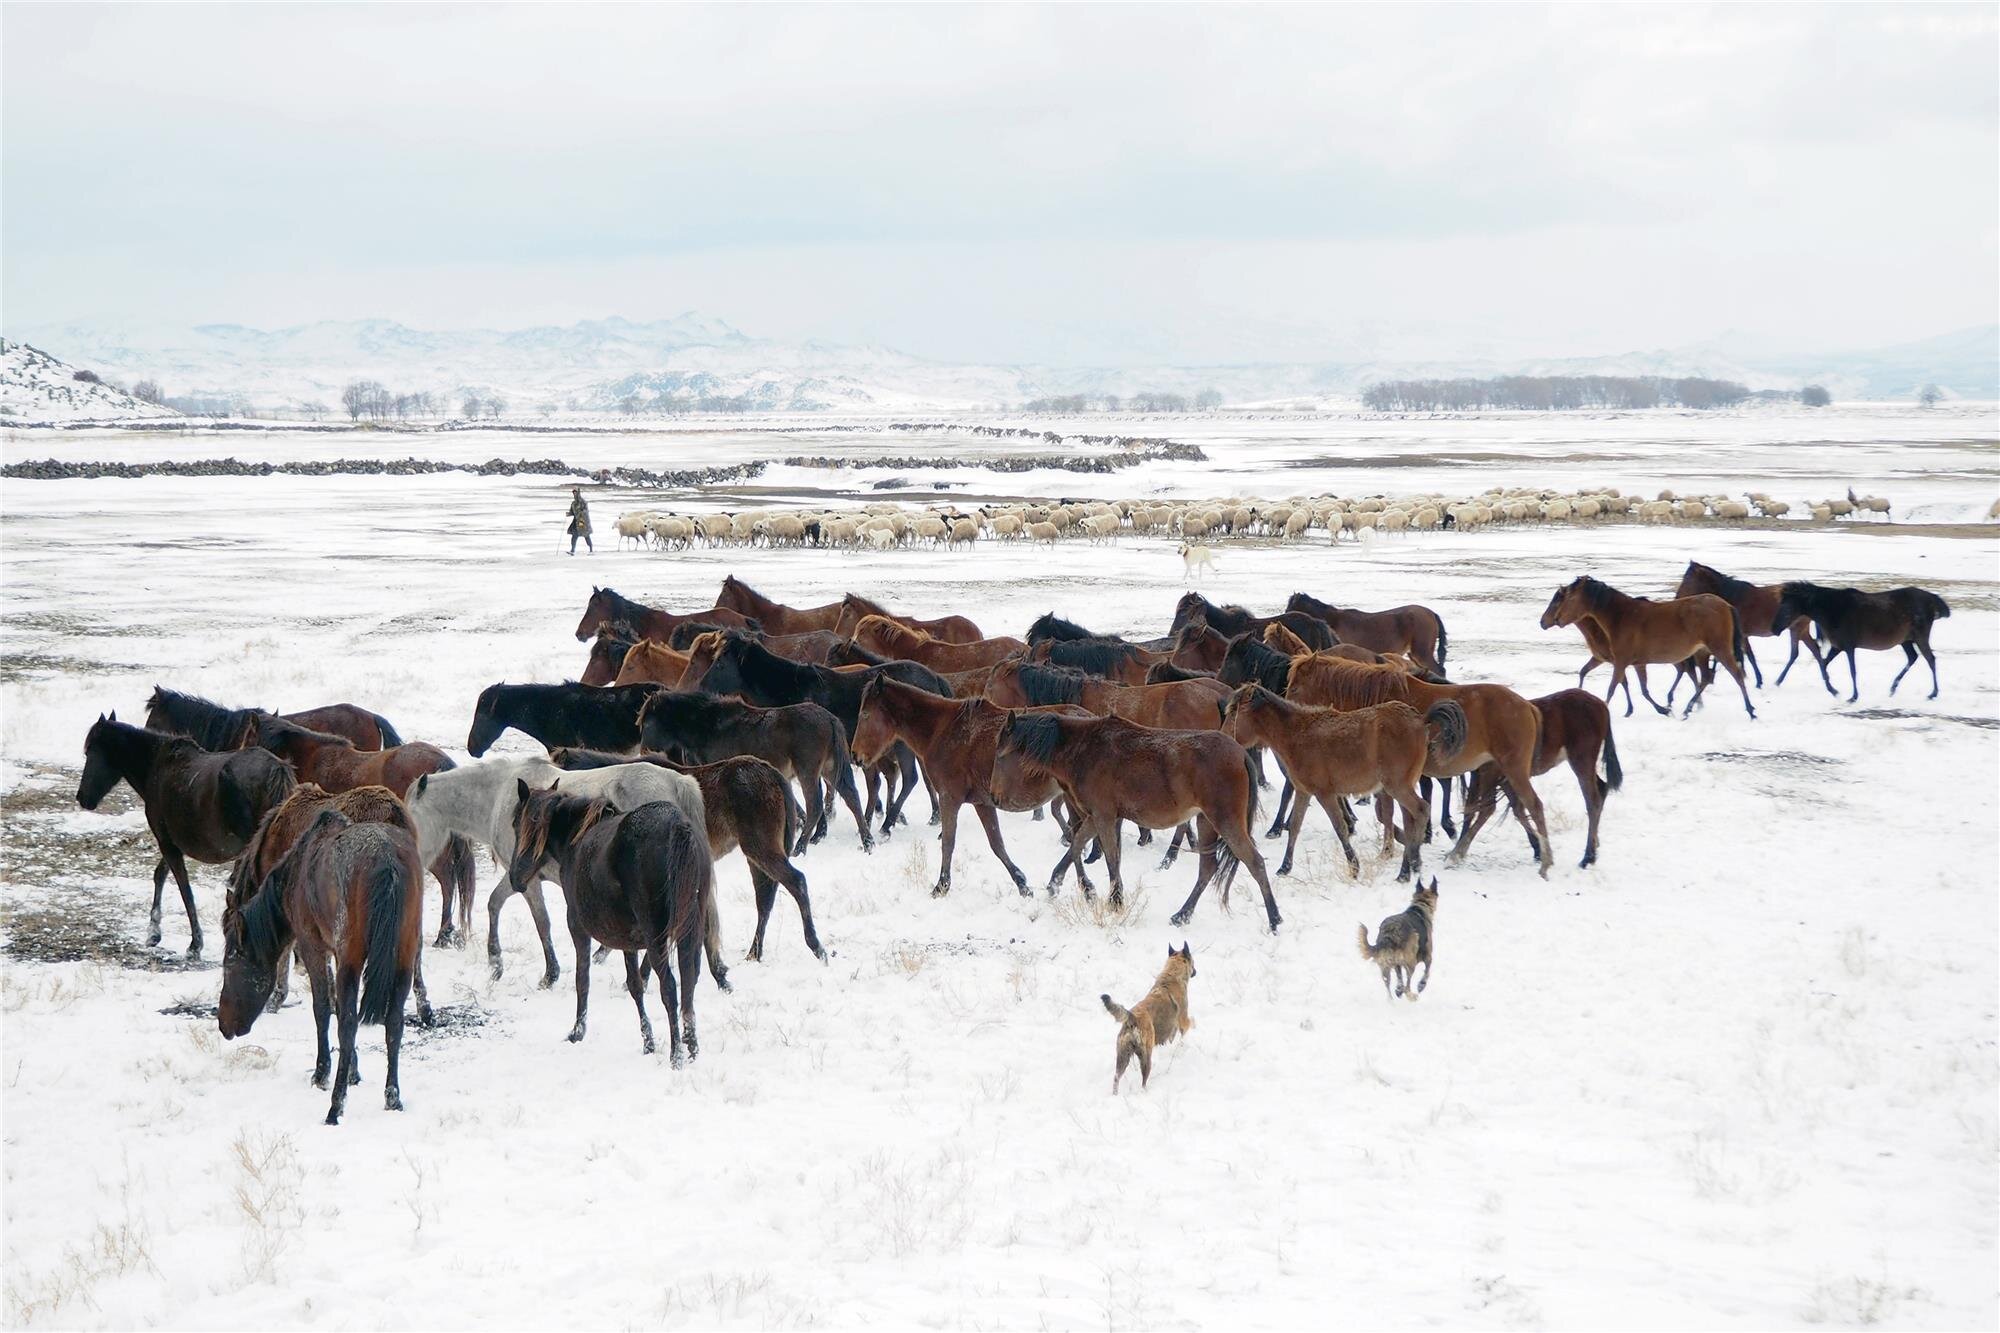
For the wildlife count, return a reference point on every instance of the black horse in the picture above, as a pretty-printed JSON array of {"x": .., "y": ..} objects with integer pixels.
[
  {"x": 1849, "y": 619},
  {"x": 593, "y": 717},
  {"x": 197, "y": 803},
  {"x": 1231, "y": 621}
]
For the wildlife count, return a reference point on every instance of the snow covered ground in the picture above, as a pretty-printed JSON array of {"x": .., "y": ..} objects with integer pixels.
[{"x": 1742, "y": 1073}]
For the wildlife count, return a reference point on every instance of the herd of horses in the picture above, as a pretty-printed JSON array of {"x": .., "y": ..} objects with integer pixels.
[{"x": 688, "y": 733}]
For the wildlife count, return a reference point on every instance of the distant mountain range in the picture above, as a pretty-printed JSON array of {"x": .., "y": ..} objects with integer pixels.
[{"x": 607, "y": 366}]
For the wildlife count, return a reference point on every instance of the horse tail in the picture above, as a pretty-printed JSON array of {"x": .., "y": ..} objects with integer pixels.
[
  {"x": 1448, "y": 716},
  {"x": 1614, "y": 776},
  {"x": 464, "y": 865},
  {"x": 384, "y": 924},
  {"x": 1938, "y": 607},
  {"x": 1443, "y": 640},
  {"x": 1251, "y": 771},
  {"x": 1737, "y": 645},
  {"x": 1368, "y": 951},
  {"x": 390, "y": 740},
  {"x": 794, "y": 816}
]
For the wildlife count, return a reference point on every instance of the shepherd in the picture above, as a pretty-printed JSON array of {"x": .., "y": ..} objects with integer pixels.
[{"x": 579, "y": 520}]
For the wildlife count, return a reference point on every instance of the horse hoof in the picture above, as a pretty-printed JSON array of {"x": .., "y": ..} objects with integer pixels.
[
  {"x": 1178, "y": 919},
  {"x": 940, "y": 891},
  {"x": 353, "y": 1077},
  {"x": 153, "y": 940},
  {"x": 822, "y": 955},
  {"x": 333, "y": 1117},
  {"x": 392, "y": 1102},
  {"x": 575, "y": 1034},
  {"x": 647, "y": 1048},
  {"x": 722, "y": 984},
  {"x": 548, "y": 979},
  {"x": 680, "y": 1061},
  {"x": 319, "y": 1081},
  {"x": 426, "y": 1016}
]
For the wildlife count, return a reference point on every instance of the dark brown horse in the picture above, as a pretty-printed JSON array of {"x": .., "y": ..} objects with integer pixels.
[
  {"x": 881, "y": 635},
  {"x": 1756, "y": 607},
  {"x": 748, "y": 806},
  {"x": 1232, "y": 621},
  {"x": 334, "y": 764},
  {"x": 1416, "y": 630},
  {"x": 1576, "y": 726},
  {"x": 814, "y": 646},
  {"x": 213, "y": 727},
  {"x": 1635, "y": 632},
  {"x": 1188, "y": 705},
  {"x": 956, "y": 741},
  {"x": 1113, "y": 770},
  {"x": 1850, "y": 619},
  {"x": 607, "y": 607},
  {"x": 349, "y": 898},
  {"x": 198, "y": 803},
  {"x": 638, "y": 881},
  {"x": 854, "y": 608},
  {"x": 775, "y": 617},
  {"x": 607, "y": 654}
]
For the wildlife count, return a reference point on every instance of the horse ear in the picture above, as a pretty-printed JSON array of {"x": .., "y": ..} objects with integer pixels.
[
  {"x": 423, "y": 780},
  {"x": 521, "y": 788}
]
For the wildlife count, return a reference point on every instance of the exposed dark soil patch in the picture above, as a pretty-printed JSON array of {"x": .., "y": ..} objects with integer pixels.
[
  {"x": 1783, "y": 758},
  {"x": 1983, "y": 723},
  {"x": 451, "y": 1021}
]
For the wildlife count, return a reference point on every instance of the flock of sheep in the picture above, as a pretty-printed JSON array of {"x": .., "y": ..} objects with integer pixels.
[{"x": 886, "y": 524}]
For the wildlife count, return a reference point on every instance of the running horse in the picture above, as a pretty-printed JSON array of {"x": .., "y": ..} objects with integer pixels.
[
  {"x": 1756, "y": 607},
  {"x": 1849, "y": 619},
  {"x": 1636, "y": 632},
  {"x": 198, "y": 803}
]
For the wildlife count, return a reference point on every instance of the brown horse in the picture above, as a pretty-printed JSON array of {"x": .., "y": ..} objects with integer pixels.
[
  {"x": 1501, "y": 727},
  {"x": 810, "y": 646},
  {"x": 1636, "y": 632},
  {"x": 1198, "y": 647},
  {"x": 1756, "y": 606},
  {"x": 349, "y": 898},
  {"x": 1113, "y": 770},
  {"x": 747, "y": 805},
  {"x": 1330, "y": 754},
  {"x": 1111, "y": 659},
  {"x": 1576, "y": 726},
  {"x": 638, "y": 881},
  {"x": 1188, "y": 705},
  {"x": 198, "y": 803},
  {"x": 649, "y": 661},
  {"x": 956, "y": 740},
  {"x": 776, "y": 617},
  {"x": 213, "y": 727},
  {"x": 1415, "y": 630},
  {"x": 607, "y": 654},
  {"x": 1280, "y": 639},
  {"x": 964, "y": 684},
  {"x": 335, "y": 765},
  {"x": 855, "y": 608},
  {"x": 879, "y": 634},
  {"x": 1233, "y": 621},
  {"x": 607, "y": 607}
]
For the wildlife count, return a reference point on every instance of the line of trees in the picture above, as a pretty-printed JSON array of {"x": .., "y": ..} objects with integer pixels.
[
  {"x": 1071, "y": 404},
  {"x": 1551, "y": 393},
  {"x": 373, "y": 401}
]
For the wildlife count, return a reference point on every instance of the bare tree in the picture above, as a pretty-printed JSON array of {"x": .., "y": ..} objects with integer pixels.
[
  {"x": 1815, "y": 395},
  {"x": 1208, "y": 400},
  {"x": 147, "y": 391},
  {"x": 473, "y": 406},
  {"x": 1930, "y": 395}
]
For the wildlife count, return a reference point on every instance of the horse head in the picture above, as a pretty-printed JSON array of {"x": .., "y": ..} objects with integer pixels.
[{"x": 100, "y": 773}]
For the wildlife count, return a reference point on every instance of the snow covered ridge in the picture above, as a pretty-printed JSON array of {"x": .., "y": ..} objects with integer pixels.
[{"x": 35, "y": 389}]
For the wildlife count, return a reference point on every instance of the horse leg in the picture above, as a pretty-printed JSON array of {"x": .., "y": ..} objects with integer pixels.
[
  {"x": 1796, "y": 640},
  {"x": 989, "y": 819},
  {"x": 1415, "y": 816},
  {"x": 635, "y": 984},
  {"x": 1617, "y": 679},
  {"x": 1245, "y": 850},
  {"x": 681, "y": 1021},
  {"x": 1114, "y": 851},
  {"x": 948, "y": 840},
  {"x": 1588, "y": 667},
  {"x": 1910, "y": 660},
  {"x": 1145, "y": 838},
  {"x": 794, "y": 881},
  {"x": 392, "y": 1039},
  {"x": 819, "y": 798},
  {"x": 581, "y": 937},
  {"x": 1182, "y": 834},
  {"x": 159, "y": 891},
  {"x": 767, "y": 896},
  {"x": 1930, "y": 659},
  {"x": 844, "y": 784},
  {"x": 1750, "y": 660},
  {"x": 1204, "y": 871},
  {"x": 1343, "y": 827},
  {"x": 347, "y": 992},
  {"x": 1279, "y": 820},
  {"x": 538, "y": 908},
  {"x": 441, "y": 871},
  {"x": 1444, "y": 808},
  {"x": 284, "y": 986},
  {"x": 1853, "y": 678},
  {"x": 711, "y": 939},
  {"x": 322, "y": 1002},
  {"x": 1585, "y": 768},
  {"x": 1528, "y": 807},
  {"x": 1735, "y": 670},
  {"x": 178, "y": 864},
  {"x": 1644, "y": 693},
  {"x": 1297, "y": 822}
]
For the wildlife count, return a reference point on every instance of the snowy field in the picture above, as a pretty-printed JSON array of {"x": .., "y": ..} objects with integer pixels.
[{"x": 1740, "y": 1074}]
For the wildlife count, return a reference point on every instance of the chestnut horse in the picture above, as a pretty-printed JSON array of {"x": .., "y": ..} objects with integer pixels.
[
  {"x": 349, "y": 898},
  {"x": 1188, "y": 705},
  {"x": 198, "y": 804},
  {"x": 855, "y": 608},
  {"x": 1416, "y": 630},
  {"x": 810, "y": 646},
  {"x": 607, "y": 654},
  {"x": 1849, "y": 619},
  {"x": 1113, "y": 770},
  {"x": 1576, "y": 726},
  {"x": 881, "y": 635},
  {"x": 776, "y": 617},
  {"x": 649, "y": 661},
  {"x": 1636, "y": 632},
  {"x": 606, "y": 607},
  {"x": 1756, "y": 607}
]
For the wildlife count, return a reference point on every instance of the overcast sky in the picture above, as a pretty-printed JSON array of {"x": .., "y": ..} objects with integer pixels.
[{"x": 1079, "y": 185}]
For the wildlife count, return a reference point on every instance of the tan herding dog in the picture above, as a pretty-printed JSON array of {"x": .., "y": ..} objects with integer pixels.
[
  {"x": 1404, "y": 940},
  {"x": 1155, "y": 1020}
]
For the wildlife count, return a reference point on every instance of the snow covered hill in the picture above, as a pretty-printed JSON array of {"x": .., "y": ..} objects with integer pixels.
[{"x": 35, "y": 387}]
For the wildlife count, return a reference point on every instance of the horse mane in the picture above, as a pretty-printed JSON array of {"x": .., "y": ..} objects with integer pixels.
[
  {"x": 1597, "y": 596},
  {"x": 624, "y": 605},
  {"x": 1162, "y": 673},
  {"x": 862, "y": 604},
  {"x": 1050, "y": 684},
  {"x": 1095, "y": 656},
  {"x": 1261, "y": 663},
  {"x": 618, "y": 633},
  {"x": 1053, "y": 626},
  {"x": 262, "y": 929},
  {"x": 205, "y": 722},
  {"x": 1725, "y": 586},
  {"x": 270, "y": 724},
  {"x": 1035, "y": 735},
  {"x": 862, "y": 656},
  {"x": 688, "y": 631},
  {"x": 1358, "y": 685},
  {"x": 754, "y": 661},
  {"x": 894, "y": 631}
]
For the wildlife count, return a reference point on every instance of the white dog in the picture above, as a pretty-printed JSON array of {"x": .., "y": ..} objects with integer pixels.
[{"x": 1194, "y": 559}]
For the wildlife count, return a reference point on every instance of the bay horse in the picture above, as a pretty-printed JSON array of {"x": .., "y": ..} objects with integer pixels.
[
  {"x": 1850, "y": 619},
  {"x": 1112, "y": 659},
  {"x": 952, "y": 629},
  {"x": 198, "y": 803},
  {"x": 1635, "y": 632},
  {"x": 638, "y": 881},
  {"x": 776, "y": 617},
  {"x": 607, "y": 654},
  {"x": 809, "y": 646},
  {"x": 1199, "y": 647},
  {"x": 349, "y": 898},
  {"x": 964, "y": 684},
  {"x": 803, "y": 741},
  {"x": 335, "y": 765},
  {"x": 1231, "y": 621},
  {"x": 956, "y": 740},
  {"x": 739, "y": 665},
  {"x": 1576, "y": 725},
  {"x": 1113, "y": 770},
  {"x": 747, "y": 806},
  {"x": 281, "y": 829},
  {"x": 213, "y": 727},
  {"x": 606, "y": 606},
  {"x": 881, "y": 635},
  {"x": 651, "y": 662},
  {"x": 599, "y": 717},
  {"x": 1331, "y": 754},
  {"x": 1502, "y": 728},
  {"x": 1756, "y": 610},
  {"x": 1188, "y": 705},
  {"x": 1412, "y": 629}
]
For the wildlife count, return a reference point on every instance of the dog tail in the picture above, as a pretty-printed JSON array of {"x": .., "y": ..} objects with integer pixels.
[
  {"x": 1368, "y": 951},
  {"x": 1117, "y": 1010}
]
